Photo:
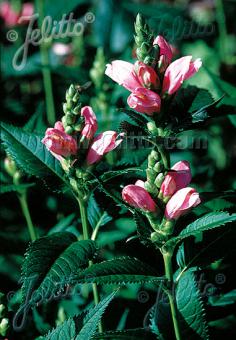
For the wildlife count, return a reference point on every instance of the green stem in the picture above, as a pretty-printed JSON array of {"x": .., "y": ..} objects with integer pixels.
[
  {"x": 26, "y": 213},
  {"x": 169, "y": 275},
  {"x": 83, "y": 214},
  {"x": 221, "y": 21},
  {"x": 47, "y": 79}
]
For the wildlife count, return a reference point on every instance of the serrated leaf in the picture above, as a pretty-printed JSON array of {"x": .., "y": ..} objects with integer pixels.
[
  {"x": 190, "y": 306},
  {"x": 39, "y": 258},
  {"x": 62, "y": 224},
  {"x": 207, "y": 222},
  {"x": 29, "y": 153},
  {"x": 97, "y": 218},
  {"x": 48, "y": 268},
  {"x": 136, "y": 117},
  {"x": 119, "y": 271},
  {"x": 83, "y": 326},
  {"x": 93, "y": 318},
  {"x": 64, "y": 269},
  {"x": 115, "y": 173}
]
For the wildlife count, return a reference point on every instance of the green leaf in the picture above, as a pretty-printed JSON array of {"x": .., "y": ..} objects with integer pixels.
[
  {"x": 190, "y": 306},
  {"x": 29, "y": 153},
  {"x": 40, "y": 257},
  {"x": 119, "y": 271},
  {"x": 97, "y": 218},
  {"x": 93, "y": 318},
  {"x": 207, "y": 222},
  {"x": 83, "y": 326},
  {"x": 49, "y": 276},
  {"x": 114, "y": 173}
]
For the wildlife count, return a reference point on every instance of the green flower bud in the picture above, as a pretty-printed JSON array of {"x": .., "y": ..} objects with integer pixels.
[
  {"x": 158, "y": 167},
  {"x": 151, "y": 161},
  {"x": 159, "y": 179},
  {"x": 64, "y": 121},
  {"x": 10, "y": 166},
  {"x": 155, "y": 155},
  {"x": 150, "y": 188},
  {"x": 2, "y": 310},
  {"x": 4, "y": 325},
  {"x": 17, "y": 177},
  {"x": 151, "y": 174},
  {"x": 71, "y": 91},
  {"x": 78, "y": 127},
  {"x": 69, "y": 130},
  {"x": 77, "y": 109},
  {"x": 76, "y": 97},
  {"x": 70, "y": 118},
  {"x": 65, "y": 110},
  {"x": 152, "y": 128},
  {"x": 168, "y": 226}
]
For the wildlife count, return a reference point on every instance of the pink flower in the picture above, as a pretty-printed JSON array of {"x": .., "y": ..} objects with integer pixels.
[
  {"x": 144, "y": 101},
  {"x": 13, "y": 18},
  {"x": 165, "y": 53},
  {"x": 181, "y": 202},
  {"x": 102, "y": 144},
  {"x": 132, "y": 76},
  {"x": 9, "y": 16},
  {"x": 27, "y": 9},
  {"x": 123, "y": 73},
  {"x": 59, "y": 143},
  {"x": 138, "y": 197},
  {"x": 90, "y": 122},
  {"x": 146, "y": 75},
  {"x": 178, "y": 71},
  {"x": 139, "y": 183},
  {"x": 176, "y": 180}
]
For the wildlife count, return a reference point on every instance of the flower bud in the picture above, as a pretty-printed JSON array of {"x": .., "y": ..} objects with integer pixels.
[
  {"x": 181, "y": 202},
  {"x": 177, "y": 179},
  {"x": 159, "y": 179},
  {"x": 151, "y": 188},
  {"x": 2, "y": 310},
  {"x": 4, "y": 325},
  {"x": 10, "y": 166},
  {"x": 152, "y": 128},
  {"x": 158, "y": 167},
  {"x": 151, "y": 174},
  {"x": 139, "y": 198},
  {"x": 70, "y": 118}
]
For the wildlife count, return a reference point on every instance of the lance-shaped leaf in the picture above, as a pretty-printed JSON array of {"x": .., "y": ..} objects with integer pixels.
[
  {"x": 119, "y": 271},
  {"x": 83, "y": 326},
  {"x": 48, "y": 271},
  {"x": 96, "y": 216},
  {"x": 192, "y": 320},
  {"x": 207, "y": 222},
  {"x": 126, "y": 334},
  {"x": 29, "y": 153}
]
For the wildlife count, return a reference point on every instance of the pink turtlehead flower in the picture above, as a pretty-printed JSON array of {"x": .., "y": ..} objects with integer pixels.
[
  {"x": 165, "y": 53},
  {"x": 102, "y": 144},
  {"x": 144, "y": 101},
  {"x": 12, "y": 18},
  {"x": 140, "y": 183},
  {"x": 181, "y": 202},
  {"x": 132, "y": 76},
  {"x": 9, "y": 16},
  {"x": 123, "y": 73},
  {"x": 137, "y": 197},
  {"x": 178, "y": 71},
  {"x": 146, "y": 75},
  {"x": 177, "y": 179},
  {"x": 91, "y": 125},
  {"x": 59, "y": 143}
]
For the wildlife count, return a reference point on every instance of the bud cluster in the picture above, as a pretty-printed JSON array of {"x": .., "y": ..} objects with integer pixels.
[
  {"x": 144, "y": 41},
  {"x": 72, "y": 120}
]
